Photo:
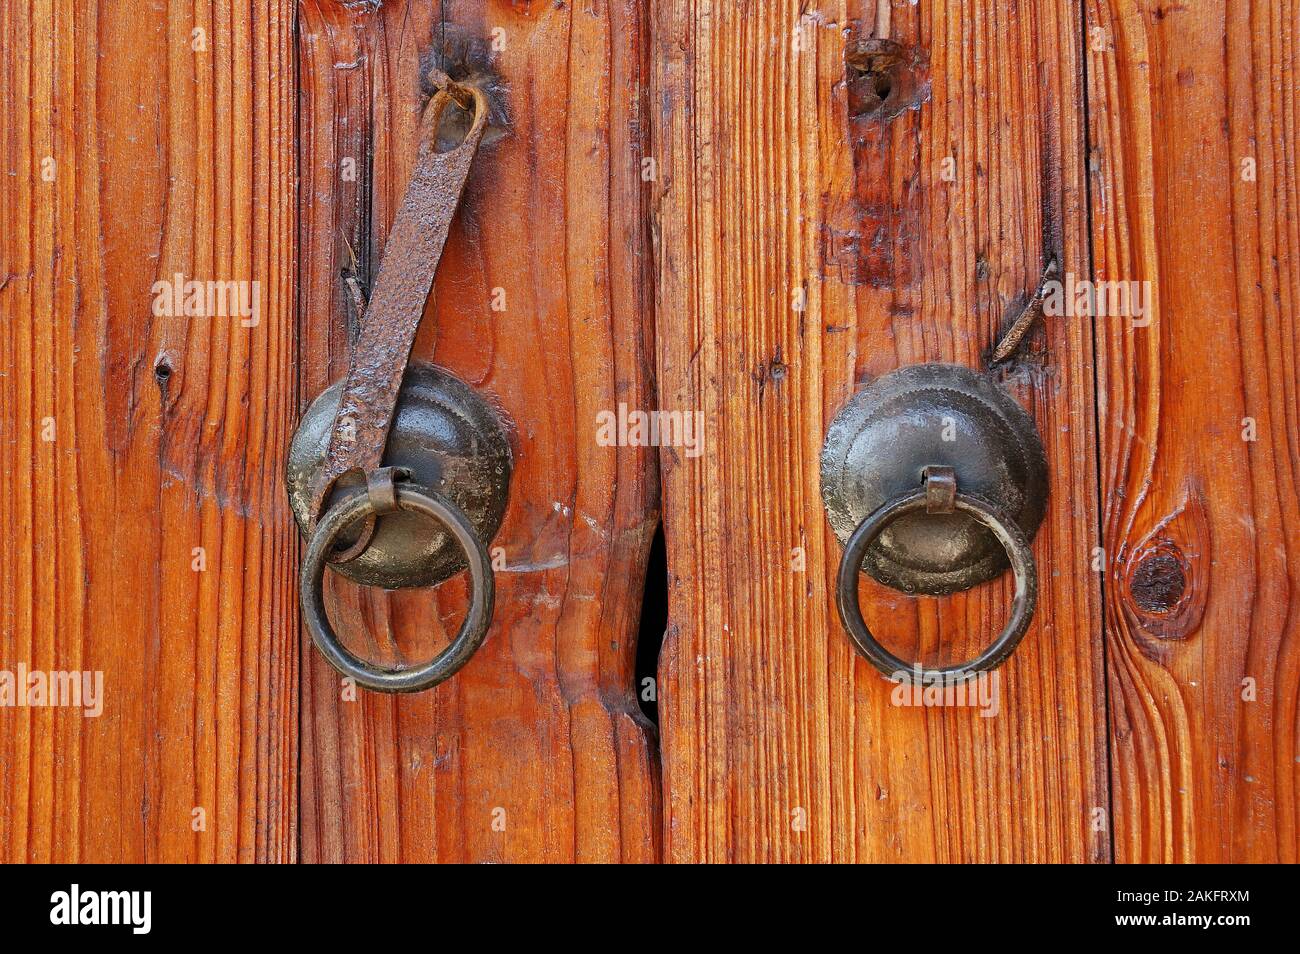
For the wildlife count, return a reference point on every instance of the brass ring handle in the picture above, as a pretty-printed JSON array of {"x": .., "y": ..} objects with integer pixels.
[
  {"x": 381, "y": 497},
  {"x": 1007, "y": 533}
]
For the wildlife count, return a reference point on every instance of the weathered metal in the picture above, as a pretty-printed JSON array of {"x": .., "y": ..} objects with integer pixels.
[
  {"x": 431, "y": 507},
  {"x": 934, "y": 479},
  {"x": 447, "y": 438},
  {"x": 383, "y": 346},
  {"x": 879, "y": 445},
  {"x": 1004, "y": 531},
  {"x": 397, "y": 475},
  {"x": 1016, "y": 332}
]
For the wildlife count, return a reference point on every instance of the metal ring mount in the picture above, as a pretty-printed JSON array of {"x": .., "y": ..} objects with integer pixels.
[
  {"x": 922, "y": 416},
  {"x": 1007, "y": 533},
  {"x": 377, "y": 499},
  {"x": 449, "y": 439}
]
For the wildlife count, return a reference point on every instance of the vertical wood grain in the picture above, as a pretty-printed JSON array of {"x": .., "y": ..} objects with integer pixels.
[
  {"x": 540, "y": 733},
  {"x": 778, "y": 742},
  {"x": 1193, "y": 150},
  {"x": 141, "y": 141}
]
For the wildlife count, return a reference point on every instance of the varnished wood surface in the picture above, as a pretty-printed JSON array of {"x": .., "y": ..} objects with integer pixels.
[
  {"x": 779, "y": 743},
  {"x": 536, "y": 751},
  {"x": 141, "y": 141},
  {"x": 1193, "y": 126},
  {"x": 803, "y": 243}
]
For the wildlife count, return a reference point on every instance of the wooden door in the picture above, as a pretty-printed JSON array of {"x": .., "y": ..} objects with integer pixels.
[
  {"x": 148, "y": 538},
  {"x": 270, "y": 144},
  {"x": 813, "y": 237},
  {"x": 742, "y": 211},
  {"x": 1122, "y": 142},
  {"x": 538, "y": 750}
]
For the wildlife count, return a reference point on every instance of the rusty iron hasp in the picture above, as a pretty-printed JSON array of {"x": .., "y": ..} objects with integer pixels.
[
  {"x": 398, "y": 473},
  {"x": 383, "y": 347}
]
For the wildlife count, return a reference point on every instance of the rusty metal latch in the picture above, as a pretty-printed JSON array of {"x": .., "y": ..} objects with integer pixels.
[
  {"x": 398, "y": 474},
  {"x": 382, "y": 349}
]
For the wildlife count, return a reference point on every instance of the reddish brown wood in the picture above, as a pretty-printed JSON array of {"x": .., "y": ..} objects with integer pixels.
[
  {"x": 540, "y": 733},
  {"x": 782, "y": 192},
  {"x": 808, "y": 239},
  {"x": 1193, "y": 135},
  {"x": 140, "y": 142}
]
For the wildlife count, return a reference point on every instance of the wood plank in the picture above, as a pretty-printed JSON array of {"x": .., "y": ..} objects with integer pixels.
[
  {"x": 141, "y": 142},
  {"x": 540, "y": 733},
  {"x": 1193, "y": 148},
  {"x": 778, "y": 742}
]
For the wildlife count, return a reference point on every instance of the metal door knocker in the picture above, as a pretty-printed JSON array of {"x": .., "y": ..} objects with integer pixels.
[
  {"x": 398, "y": 475},
  {"x": 934, "y": 480}
]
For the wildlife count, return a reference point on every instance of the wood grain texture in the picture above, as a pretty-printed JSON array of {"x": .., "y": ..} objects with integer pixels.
[
  {"x": 141, "y": 141},
  {"x": 540, "y": 733},
  {"x": 1193, "y": 149},
  {"x": 776, "y": 177}
]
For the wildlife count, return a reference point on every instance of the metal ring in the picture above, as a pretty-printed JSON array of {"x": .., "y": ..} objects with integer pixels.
[
  {"x": 1022, "y": 608},
  {"x": 473, "y": 629}
]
